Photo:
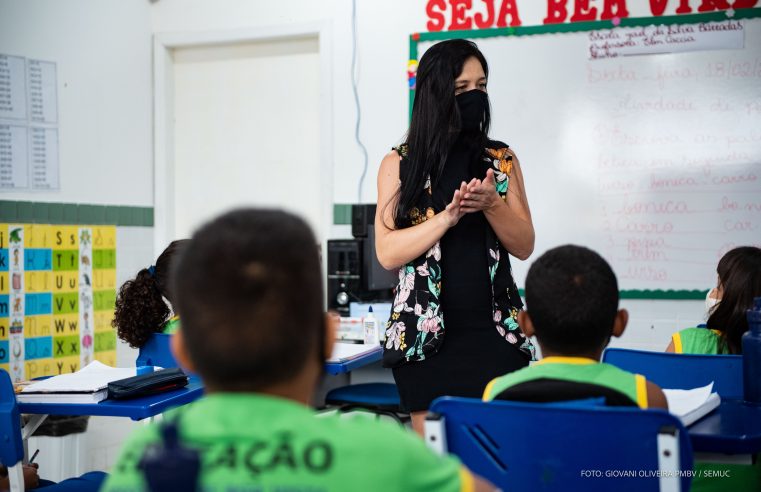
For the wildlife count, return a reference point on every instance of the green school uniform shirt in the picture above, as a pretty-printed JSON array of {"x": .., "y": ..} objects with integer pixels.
[
  {"x": 171, "y": 326},
  {"x": 699, "y": 341},
  {"x": 256, "y": 442},
  {"x": 576, "y": 369}
]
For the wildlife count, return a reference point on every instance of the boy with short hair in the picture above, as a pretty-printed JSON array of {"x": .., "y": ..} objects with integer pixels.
[
  {"x": 249, "y": 291},
  {"x": 572, "y": 308}
]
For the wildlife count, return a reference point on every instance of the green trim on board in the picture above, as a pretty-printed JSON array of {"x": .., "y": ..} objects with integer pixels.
[{"x": 75, "y": 214}]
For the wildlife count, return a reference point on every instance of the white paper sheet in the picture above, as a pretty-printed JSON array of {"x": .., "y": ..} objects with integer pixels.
[
  {"x": 690, "y": 405},
  {"x": 348, "y": 351},
  {"x": 95, "y": 376}
]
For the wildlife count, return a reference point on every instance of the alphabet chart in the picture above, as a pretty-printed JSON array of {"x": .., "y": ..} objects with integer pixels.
[{"x": 57, "y": 295}]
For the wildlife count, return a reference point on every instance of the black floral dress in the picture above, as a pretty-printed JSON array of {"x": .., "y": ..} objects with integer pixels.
[{"x": 466, "y": 275}]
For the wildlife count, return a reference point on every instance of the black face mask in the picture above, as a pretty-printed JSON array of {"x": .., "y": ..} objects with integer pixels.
[{"x": 473, "y": 106}]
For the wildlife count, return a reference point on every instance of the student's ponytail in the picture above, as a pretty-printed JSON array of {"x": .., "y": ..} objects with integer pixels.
[{"x": 140, "y": 309}]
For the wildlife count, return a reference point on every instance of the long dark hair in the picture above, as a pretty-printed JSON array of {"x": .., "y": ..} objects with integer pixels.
[
  {"x": 435, "y": 124},
  {"x": 740, "y": 279},
  {"x": 140, "y": 307}
]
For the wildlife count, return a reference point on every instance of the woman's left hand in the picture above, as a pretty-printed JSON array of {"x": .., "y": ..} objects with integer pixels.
[{"x": 481, "y": 195}]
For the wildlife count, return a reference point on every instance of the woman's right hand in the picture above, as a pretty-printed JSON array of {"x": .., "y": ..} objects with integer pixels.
[{"x": 454, "y": 212}]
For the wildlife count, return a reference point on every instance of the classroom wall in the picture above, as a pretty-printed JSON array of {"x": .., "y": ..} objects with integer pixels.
[
  {"x": 382, "y": 41},
  {"x": 106, "y": 46},
  {"x": 102, "y": 49}
]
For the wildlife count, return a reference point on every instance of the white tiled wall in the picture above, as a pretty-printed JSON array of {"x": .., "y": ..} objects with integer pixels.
[{"x": 651, "y": 323}]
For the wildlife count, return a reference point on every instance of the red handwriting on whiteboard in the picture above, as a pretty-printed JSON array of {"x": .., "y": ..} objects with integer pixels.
[
  {"x": 625, "y": 225},
  {"x": 596, "y": 75},
  {"x": 658, "y": 104},
  {"x": 646, "y": 249},
  {"x": 641, "y": 207},
  {"x": 614, "y": 135},
  {"x": 734, "y": 179},
  {"x": 739, "y": 225},
  {"x": 662, "y": 183},
  {"x": 614, "y": 185},
  {"x": 646, "y": 272},
  {"x": 732, "y": 69}
]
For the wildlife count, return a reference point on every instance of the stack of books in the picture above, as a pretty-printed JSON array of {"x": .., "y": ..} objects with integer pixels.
[{"x": 88, "y": 385}]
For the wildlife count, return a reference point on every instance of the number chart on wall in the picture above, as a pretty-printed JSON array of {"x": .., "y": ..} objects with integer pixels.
[{"x": 57, "y": 294}]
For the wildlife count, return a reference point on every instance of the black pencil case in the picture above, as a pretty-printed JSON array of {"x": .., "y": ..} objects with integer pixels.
[{"x": 147, "y": 384}]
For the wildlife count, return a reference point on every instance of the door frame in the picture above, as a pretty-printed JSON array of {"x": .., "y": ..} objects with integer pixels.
[{"x": 163, "y": 114}]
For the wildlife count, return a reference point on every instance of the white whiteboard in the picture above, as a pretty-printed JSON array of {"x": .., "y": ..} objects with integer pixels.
[{"x": 654, "y": 161}]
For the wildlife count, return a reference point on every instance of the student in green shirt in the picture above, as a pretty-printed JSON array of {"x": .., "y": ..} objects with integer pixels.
[
  {"x": 572, "y": 308},
  {"x": 250, "y": 293},
  {"x": 739, "y": 281},
  {"x": 144, "y": 304}
]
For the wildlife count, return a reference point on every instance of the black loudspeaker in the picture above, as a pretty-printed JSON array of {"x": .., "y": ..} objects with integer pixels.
[
  {"x": 344, "y": 272},
  {"x": 362, "y": 216}
]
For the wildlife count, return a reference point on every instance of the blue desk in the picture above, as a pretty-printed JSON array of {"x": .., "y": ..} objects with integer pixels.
[
  {"x": 733, "y": 428},
  {"x": 136, "y": 409},
  {"x": 335, "y": 368}
]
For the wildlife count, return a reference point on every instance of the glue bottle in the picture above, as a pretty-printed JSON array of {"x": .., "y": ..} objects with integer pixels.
[
  {"x": 370, "y": 328},
  {"x": 751, "y": 343}
]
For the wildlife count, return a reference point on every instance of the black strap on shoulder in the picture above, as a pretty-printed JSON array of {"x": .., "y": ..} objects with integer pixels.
[
  {"x": 168, "y": 465},
  {"x": 546, "y": 390}
]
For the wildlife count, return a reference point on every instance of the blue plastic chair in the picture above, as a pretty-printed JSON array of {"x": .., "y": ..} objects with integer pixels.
[
  {"x": 537, "y": 446},
  {"x": 683, "y": 371},
  {"x": 11, "y": 444},
  {"x": 379, "y": 398},
  {"x": 157, "y": 352}
]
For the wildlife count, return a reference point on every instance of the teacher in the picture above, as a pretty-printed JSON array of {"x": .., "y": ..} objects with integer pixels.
[{"x": 451, "y": 207}]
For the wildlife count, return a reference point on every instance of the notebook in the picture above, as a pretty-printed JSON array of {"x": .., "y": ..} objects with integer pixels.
[
  {"x": 88, "y": 385},
  {"x": 691, "y": 405},
  {"x": 343, "y": 352}
]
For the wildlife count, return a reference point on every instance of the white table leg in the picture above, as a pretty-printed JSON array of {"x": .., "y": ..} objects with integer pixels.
[{"x": 16, "y": 477}]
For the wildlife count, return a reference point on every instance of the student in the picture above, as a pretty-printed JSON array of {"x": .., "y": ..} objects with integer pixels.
[
  {"x": 739, "y": 281},
  {"x": 250, "y": 294},
  {"x": 89, "y": 482},
  {"x": 572, "y": 308},
  {"x": 143, "y": 306}
]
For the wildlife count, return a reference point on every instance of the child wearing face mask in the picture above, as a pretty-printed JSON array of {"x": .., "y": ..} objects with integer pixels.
[{"x": 739, "y": 281}]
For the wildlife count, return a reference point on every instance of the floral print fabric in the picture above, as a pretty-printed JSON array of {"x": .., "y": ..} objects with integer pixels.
[{"x": 416, "y": 326}]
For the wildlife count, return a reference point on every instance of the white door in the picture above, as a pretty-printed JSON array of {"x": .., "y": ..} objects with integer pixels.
[{"x": 246, "y": 131}]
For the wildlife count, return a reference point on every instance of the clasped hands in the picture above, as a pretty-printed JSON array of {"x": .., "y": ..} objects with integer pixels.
[{"x": 478, "y": 195}]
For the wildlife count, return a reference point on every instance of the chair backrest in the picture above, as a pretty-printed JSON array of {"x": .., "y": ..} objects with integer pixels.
[
  {"x": 683, "y": 371},
  {"x": 547, "y": 390},
  {"x": 535, "y": 446},
  {"x": 11, "y": 445},
  {"x": 157, "y": 352}
]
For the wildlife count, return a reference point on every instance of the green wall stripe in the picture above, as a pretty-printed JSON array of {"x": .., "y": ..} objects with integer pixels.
[
  {"x": 341, "y": 213},
  {"x": 75, "y": 214}
]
